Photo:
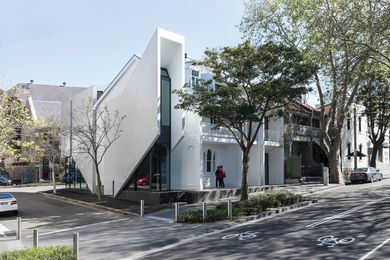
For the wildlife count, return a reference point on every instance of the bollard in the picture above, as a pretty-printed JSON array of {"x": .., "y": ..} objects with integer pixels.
[
  {"x": 325, "y": 175},
  {"x": 35, "y": 238},
  {"x": 230, "y": 209},
  {"x": 19, "y": 229},
  {"x": 141, "y": 214},
  {"x": 177, "y": 212},
  {"x": 113, "y": 188},
  {"x": 76, "y": 246},
  {"x": 204, "y": 211}
]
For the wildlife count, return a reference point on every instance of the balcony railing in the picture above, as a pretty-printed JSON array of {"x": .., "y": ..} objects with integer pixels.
[
  {"x": 297, "y": 131},
  {"x": 221, "y": 132}
]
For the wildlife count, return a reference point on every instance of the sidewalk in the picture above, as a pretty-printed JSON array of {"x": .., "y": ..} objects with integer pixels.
[{"x": 165, "y": 212}]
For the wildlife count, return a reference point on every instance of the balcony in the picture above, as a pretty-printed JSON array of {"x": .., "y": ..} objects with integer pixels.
[
  {"x": 302, "y": 133},
  {"x": 221, "y": 134}
]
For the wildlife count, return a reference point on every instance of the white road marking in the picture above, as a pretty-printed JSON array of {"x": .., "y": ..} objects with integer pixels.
[
  {"x": 376, "y": 248},
  {"x": 3, "y": 229},
  {"x": 78, "y": 227},
  {"x": 142, "y": 255},
  {"x": 344, "y": 213}
]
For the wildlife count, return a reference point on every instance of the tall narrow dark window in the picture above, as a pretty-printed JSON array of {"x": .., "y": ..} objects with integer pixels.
[
  {"x": 348, "y": 123},
  {"x": 360, "y": 150},
  {"x": 349, "y": 150},
  {"x": 208, "y": 162},
  {"x": 360, "y": 124}
]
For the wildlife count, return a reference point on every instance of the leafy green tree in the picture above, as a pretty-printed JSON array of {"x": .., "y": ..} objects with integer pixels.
[
  {"x": 252, "y": 81},
  {"x": 375, "y": 96},
  {"x": 340, "y": 36},
  {"x": 15, "y": 124}
]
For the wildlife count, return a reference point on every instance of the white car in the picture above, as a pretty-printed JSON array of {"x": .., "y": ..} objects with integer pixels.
[{"x": 8, "y": 203}]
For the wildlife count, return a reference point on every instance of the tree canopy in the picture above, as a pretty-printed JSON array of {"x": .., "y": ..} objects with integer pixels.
[
  {"x": 248, "y": 82},
  {"x": 340, "y": 36}
]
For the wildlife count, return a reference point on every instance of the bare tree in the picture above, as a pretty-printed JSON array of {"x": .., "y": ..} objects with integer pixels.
[{"x": 93, "y": 132}]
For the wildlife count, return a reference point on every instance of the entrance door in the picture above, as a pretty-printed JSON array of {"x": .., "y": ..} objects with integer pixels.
[{"x": 266, "y": 166}]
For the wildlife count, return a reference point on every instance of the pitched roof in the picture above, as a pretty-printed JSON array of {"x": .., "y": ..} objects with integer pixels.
[{"x": 45, "y": 101}]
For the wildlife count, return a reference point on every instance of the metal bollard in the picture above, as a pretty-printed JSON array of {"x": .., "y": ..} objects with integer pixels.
[
  {"x": 76, "y": 245},
  {"x": 141, "y": 214},
  {"x": 113, "y": 188},
  {"x": 230, "y": 209},
  {"x": 325, "y": 175},
  {"x": 177, "y": 212},
  {"x": 35, "y": 238},
  {"x": 204, "y": 205},
  {"x": 19, "y": 229}
]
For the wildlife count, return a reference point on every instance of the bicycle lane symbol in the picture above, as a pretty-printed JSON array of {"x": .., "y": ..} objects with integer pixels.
[
  {"x": 241, "y": 236},
  {"x": 332, "y": 241}
]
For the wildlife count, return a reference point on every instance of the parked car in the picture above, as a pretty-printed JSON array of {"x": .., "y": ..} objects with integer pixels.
[
  {"x": 143, "y": 181},
  {"x": 369, "y": 174},
  {"x": 4, "y": 178},
  {"x": 8, "y": 203}
]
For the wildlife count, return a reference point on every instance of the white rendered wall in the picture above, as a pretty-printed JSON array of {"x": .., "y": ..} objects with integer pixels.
[{"x": 139, "y": 102}]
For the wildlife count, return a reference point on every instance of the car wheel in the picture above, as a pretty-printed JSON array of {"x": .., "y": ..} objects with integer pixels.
[{"x": 15, "y": 213}]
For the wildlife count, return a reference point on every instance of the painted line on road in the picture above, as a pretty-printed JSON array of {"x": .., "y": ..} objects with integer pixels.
[
  {"x": 142, "y": 255},
  {"x": 344, "y": 213},
  {"x": 3, "y": 229},
  {"x": 375, "y": 249},
  {"x": 88, "y": 225}
]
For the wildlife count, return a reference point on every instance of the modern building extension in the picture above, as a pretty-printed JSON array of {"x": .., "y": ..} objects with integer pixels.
[{"x": 165, "y": 149}]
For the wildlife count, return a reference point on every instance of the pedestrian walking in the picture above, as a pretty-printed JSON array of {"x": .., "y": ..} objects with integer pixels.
[
  {"x": 217, "y": 183},
  {"x": 222, "y": 175}
]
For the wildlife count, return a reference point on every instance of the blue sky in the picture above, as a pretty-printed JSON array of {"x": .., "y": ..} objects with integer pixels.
[{"x": 87, "y": 42}]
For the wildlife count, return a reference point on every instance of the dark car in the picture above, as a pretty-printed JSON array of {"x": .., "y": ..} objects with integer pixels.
[
  {"x": 4, "y": 178},
  {"x": 369, "y": 174}
]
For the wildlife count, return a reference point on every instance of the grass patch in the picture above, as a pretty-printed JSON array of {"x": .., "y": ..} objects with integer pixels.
[
  {"x": 41, "y": 253},
  {"x": 252, "y": 206}
]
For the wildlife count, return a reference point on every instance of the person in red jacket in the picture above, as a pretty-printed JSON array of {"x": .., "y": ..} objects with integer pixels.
[{"x": 222, "y": 175}]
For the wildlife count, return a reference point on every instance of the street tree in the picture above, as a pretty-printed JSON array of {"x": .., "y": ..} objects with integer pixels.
[
  {"x": 93, "y": 132},
  {"x": 375, "y": 96},
  {"x": 252, "y": 82},
  {"x": 340, "y": 36},
  {"x": 15, "y": 126}
]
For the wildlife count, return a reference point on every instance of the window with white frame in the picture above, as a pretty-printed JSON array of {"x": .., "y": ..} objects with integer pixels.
[{"x": 208, "y": 161}]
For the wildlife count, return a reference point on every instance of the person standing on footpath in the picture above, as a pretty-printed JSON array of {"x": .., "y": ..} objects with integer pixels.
[
  {"x": 222, "y": 175},
  {"x": 217, "y": 183}
]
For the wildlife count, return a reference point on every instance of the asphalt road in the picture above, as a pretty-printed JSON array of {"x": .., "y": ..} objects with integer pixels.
[
  {"x": 46, "y": 214},
  {"x": 356, "y": 220}
]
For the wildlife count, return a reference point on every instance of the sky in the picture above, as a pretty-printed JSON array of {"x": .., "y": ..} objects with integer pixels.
[{"x": 87, "y": 42}]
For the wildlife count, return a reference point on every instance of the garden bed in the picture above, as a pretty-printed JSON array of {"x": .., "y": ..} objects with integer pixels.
[
  {"x": 41, "y": 253},
  {"x": 254, "y": 206}
]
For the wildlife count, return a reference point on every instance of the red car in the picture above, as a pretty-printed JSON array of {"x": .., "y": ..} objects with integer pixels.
[{"x": 143, "y": 181}]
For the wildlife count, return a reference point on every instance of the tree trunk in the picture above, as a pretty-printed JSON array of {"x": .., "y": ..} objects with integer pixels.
[
  {"x": 335, "y": 171},
  {"x": 53, "y": 177},
  {"x": 244, "y": 180},
  {"x": 373, "y": 156},
  {"x": 99, "y": 184}
]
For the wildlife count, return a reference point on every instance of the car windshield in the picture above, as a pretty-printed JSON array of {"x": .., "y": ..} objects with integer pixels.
[
  {"x": 5, "y": 196},
  {"x": 361, "y": 170}
]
